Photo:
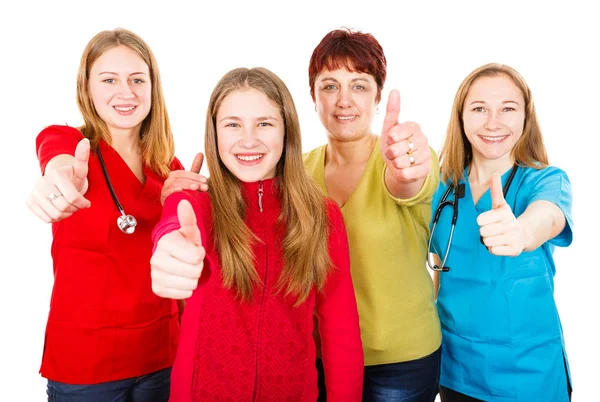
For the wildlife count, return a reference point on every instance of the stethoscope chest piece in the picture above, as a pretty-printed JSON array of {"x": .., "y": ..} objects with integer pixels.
[{"x": 126, "y": 223}]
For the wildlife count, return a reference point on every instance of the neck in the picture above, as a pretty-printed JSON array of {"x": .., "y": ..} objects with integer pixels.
[
  {"x": 126, "y": 141},
  {"x": 481, "y": 170},
  {"x": 350, "y": 152}
]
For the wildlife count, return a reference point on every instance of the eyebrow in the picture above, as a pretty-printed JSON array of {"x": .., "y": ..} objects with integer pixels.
[
  {"x": 110, "y": 72},
  {"x": 504, "y": 102},
  {"x": 352, "y": 80},
  {"x": 236, "y": 118}
]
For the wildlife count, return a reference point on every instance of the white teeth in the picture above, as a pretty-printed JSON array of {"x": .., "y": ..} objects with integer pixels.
[
  {"x": 345, "y": 117},
  {"x": 494, "y": 139},
  {"x": 249, "y": 158},
  {"x": 124, "y": 109}
]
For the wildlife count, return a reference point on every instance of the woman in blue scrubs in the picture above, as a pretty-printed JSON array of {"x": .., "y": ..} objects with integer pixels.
[{"x": 502, "y": 337}]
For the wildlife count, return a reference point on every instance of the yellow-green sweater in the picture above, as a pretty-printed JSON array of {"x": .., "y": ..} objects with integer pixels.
[{"x": 388, "y": 249}]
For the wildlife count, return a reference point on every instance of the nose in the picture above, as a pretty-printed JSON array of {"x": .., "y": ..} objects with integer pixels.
[
  {"x": 344, "y": 98},
  {"x": 493, "y": 121},
  {"x": 125, "y": 91},
  {"x": 249, "y": 139}
]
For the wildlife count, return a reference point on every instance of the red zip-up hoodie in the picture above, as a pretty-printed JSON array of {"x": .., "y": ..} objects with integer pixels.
[{"x": 263, "y": 349}]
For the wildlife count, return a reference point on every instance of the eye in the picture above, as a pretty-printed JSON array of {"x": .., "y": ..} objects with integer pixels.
[
  {"x": 264, "y": 124},
  {"x": 509, "y": 109},
  {"x": 329, "y": 87},
  {"x": 359, "y": 87},
  {"x": 232, "y": 125},
  {"x": 479, "y": 109},
  {"x": 109, "y": 80},
  {"x": 137, "y": 81}
]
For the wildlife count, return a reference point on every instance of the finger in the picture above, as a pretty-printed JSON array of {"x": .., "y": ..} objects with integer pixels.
[
  {"x": 173, "y": 265},
  {"x": 493, "y": 229},
  {"x": 392, "y": 113},
  {"x": 171, "y": 293},
  {"x": 490, "y": 217},
  {"x": 70, "y": 194},
  {"x": 403, "y": 161},
  {"x": 38, "y": 211},
  {"x": 185, "y": 175},
  {"x": 80, "y": 167},
  {"x": 187, "y": 220},
  {"x": 167, "y": 280},
  {"x": 416, "y": 172},
  {"x": 197, "y": 164},
  {"x": 496, "y": 191},
  {"x": 508, "y": 251},
  {"x": 502, "y": 239}
]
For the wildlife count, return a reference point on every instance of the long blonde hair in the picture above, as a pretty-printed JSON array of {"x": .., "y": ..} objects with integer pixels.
[
  {"x": 303, "y": 214},
  {"x": 157, "y": 143},
  {"x": 456, "y": 153}
]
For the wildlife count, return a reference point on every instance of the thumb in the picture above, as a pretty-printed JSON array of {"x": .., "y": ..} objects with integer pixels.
[
  {"x": 197, "y": 164},
  {"x": 187, "y": 221},
  {"x": 80, "y": 167},
  {"x": 496, "y": 191},
  {"x": 392, "y": 113}
]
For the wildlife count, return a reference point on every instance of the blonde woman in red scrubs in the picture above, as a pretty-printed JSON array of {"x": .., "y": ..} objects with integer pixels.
[{"x": 108, "y": 337}]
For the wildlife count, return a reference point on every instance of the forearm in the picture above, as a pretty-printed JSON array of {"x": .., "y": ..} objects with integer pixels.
[
  {"x": 541, "y": 221},
  {"x": 402, "y": 189}
]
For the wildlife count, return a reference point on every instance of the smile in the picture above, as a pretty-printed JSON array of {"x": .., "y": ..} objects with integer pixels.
[
  {"x": 493, "y": 139},
  {"x": 249, "y": 158}
]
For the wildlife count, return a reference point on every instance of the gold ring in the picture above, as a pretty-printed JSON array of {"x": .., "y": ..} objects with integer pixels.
[
  {"x": 411, "y": 147},
  {"x": 54, "y": 196},
  {"x": 411, "y": 159}
]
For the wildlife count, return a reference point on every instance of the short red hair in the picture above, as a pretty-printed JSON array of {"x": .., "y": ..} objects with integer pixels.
[{"x": 353, "y": 50}]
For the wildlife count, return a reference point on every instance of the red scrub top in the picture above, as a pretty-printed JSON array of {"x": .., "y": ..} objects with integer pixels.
[{"x": 105, "y": 323}]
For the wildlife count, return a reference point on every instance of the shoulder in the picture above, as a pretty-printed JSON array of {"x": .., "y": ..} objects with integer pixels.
[
  {"x": 312, "y": 158},
  {"x": 64, "y": 132},
  {"x": 549, "y": 176},
  {"x": 176, "y": 164}
]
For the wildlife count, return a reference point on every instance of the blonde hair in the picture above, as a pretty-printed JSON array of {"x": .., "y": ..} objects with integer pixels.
[
  {"x": 157, "y": 143},
  {"x": 303, "y": 214},
  {"x": 456, "y": 153}
]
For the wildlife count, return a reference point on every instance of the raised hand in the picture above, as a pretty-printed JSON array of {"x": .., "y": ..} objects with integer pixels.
[
  {"x": 403, "y": 146},
  {"x": 59, "y": 193},
  {"x": 501, "y": 232},
  {"x": 178, "y": 260},
  {"x": 180, "y": 180}
]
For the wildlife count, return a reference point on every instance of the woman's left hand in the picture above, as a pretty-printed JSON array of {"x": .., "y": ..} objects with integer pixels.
[
  {"x": 179, "y": 180},
  {"x": 403, "y": 146},
  {"x": 500, "y": 230}
]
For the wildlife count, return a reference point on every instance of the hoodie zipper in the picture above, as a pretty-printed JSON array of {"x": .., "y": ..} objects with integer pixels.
[
  {"x": 262, "y": 302},
  {"x": 260, "y": 195}
]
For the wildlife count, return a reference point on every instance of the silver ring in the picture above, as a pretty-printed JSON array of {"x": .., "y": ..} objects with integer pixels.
[{"x": 54, "y": 196}]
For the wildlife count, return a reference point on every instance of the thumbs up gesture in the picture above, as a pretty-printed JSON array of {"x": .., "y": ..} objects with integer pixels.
[
  {"x": 501, "y": 232},
  {"x": 180, "y": 180},
  {"x": 178, "y": 259},
  {"x": 403, "y": 146},
  {"x": 59, "y": 193}
]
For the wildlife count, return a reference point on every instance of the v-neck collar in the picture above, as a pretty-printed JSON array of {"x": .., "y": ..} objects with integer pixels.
[
  {"x": 321, "y": 172},
  {"x": 485, "y": 201}
]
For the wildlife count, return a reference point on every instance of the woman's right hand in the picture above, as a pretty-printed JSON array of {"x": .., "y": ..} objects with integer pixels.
[
  {"x": 58, "y": 194},
  {"x": 178, "y": 260}
]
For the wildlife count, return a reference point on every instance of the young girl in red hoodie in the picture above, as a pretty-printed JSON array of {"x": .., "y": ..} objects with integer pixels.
[{"x": 256, "y": 255}]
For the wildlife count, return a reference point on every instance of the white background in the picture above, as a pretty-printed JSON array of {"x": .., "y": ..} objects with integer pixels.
[{"x": 430, "y": 48}]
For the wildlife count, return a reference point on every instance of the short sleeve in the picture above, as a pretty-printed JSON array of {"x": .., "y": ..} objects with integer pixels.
[
  {"x": 56, "y": 140},
  {"x": 553, "y": 185}
]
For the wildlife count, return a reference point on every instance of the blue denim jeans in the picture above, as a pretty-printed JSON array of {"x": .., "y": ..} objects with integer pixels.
[
  {"x": 412, "y": 381},
  {"x": 153, "y": 387}
]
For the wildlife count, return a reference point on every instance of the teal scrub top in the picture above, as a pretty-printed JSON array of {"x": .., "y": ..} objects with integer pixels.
[{"x": 501, "y": 334}]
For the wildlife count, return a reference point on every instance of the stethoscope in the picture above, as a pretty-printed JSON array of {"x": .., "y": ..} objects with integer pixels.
[
  {"x": 459, "y": 192},
  {"x": 125, "y": 222}
]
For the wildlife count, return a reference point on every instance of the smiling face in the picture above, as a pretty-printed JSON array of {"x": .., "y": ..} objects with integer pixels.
[
  {"x": 493, "y": 117},
  {"x": 120, "y": 89},
  {"x": 346, "y": 103},
  {"x": 250, "y": 135}
]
